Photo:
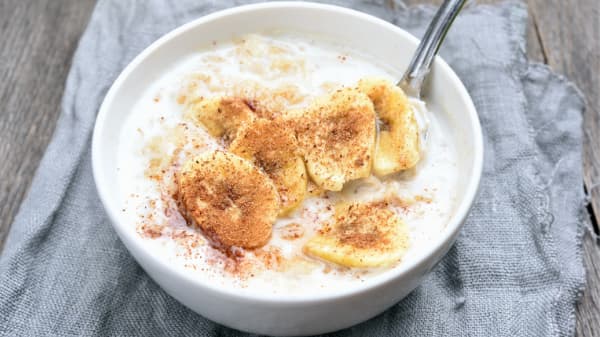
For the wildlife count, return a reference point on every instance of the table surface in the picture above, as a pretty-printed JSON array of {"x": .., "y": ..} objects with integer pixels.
[{"x": 39, "y": 38}]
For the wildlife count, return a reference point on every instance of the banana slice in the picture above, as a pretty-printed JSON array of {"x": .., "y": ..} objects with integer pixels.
[
  {"x": 398, "y": 143},
  {"x": 270, "y": 146},
  {"x": 222, "y": 117},
  {"x": 337, "y": 136},
  {"x": 362, "y": 236},
  {"x": 231, "y": 200}
]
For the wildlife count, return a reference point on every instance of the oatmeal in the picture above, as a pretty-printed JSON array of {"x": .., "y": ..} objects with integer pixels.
[{"x": 282, "y": 163}]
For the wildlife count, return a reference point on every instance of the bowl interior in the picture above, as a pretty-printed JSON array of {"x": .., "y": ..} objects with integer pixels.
[{"x": 383, "y": 42}]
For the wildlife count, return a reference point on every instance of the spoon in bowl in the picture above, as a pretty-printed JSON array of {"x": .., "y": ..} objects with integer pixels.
[{"x": 420, "y": 64}]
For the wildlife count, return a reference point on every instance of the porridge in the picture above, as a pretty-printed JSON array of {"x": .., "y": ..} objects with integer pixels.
[{"x": 282, "y": 163}]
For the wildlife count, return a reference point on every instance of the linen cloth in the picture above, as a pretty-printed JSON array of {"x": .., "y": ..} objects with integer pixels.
[{"x": 516, "y": 269}]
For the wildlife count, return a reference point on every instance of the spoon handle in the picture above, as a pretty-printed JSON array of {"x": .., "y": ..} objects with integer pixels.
[{"x": 432, "y": 40}]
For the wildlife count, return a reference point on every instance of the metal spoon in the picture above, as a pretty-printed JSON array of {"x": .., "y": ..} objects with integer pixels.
[
  {"x": 418, "y": 69},
  {"x": 419, "y": 66}
]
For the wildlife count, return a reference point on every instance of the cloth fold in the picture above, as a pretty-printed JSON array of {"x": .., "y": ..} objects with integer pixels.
[{"x": 515, "y": 270}]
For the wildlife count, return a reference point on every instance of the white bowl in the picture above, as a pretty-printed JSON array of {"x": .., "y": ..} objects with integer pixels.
[{"x": 286, "y": 314}]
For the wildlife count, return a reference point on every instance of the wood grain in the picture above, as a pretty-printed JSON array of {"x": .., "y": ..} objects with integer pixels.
[
  {"x": 39, "y": 37},
  {"x": 569, "y": 32},
  {"x": 572, "y": 48},
  {"x": 38, "y": 40}
]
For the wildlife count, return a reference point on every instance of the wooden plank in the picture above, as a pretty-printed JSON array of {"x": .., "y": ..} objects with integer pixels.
[
  {"x": 569, "y": 32},
  {"x": 573, "y": 48},
  {"x": 38, "y": 40},
  {"x": 588, "y": 309}
]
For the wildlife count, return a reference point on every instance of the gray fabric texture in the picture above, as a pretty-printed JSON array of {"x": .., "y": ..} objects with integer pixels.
[{"x": 516, "y": 269}]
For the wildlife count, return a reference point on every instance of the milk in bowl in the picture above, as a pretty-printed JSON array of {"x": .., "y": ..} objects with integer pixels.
[{"x": 283, "y": 163}]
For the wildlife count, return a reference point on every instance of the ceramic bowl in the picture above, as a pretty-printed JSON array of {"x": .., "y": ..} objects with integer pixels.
[{"x": 288, "y": 314}]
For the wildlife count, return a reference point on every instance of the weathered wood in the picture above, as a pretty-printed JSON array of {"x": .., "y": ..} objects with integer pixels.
[
  {"x": 588, "y": 309},
  {"x": 39, "y": 37},
  {"x": 38, "y": 40},
  {"x": 569, "y": 32}
]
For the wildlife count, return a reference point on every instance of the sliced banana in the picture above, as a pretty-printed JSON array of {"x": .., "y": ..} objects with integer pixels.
[
  {"x": 362, "y": 235},
  {"x": 398, "y": 143},
  {"x": 337, "y": 136},
  {"x": 222, "y": 117},
  {"x": 273, "y": 148},
  {"x": 229, "y": 198}
]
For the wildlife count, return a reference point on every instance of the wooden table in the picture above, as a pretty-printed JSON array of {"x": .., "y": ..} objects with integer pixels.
[{"x": 39, "y": 38}]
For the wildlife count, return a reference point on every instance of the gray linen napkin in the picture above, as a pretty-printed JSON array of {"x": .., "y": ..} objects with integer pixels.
[{"x": 516, "y": 269}]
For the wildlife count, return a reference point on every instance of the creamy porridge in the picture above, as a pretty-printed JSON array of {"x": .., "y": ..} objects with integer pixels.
[{"x": 197, "y": 188}]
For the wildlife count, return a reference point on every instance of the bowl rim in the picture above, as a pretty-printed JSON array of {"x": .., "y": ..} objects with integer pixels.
[{"x": 453, "y": 225}]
